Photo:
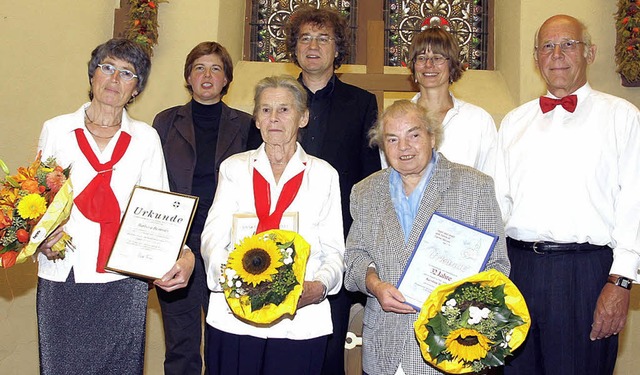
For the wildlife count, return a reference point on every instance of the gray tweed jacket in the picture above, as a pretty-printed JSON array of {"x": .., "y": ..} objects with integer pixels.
[{"x": 455, "y": 190}]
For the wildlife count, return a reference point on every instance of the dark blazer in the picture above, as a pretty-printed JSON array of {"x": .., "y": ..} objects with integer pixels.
[
  {"x": 346, "y": 145},
  {"x": 175, "y": 127},
  {"x": 455, "y": 190}
]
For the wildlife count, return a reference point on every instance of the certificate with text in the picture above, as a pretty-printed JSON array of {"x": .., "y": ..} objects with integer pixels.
[
  {"x": 245, "y": 225},
  {"x": 447, "y": 251},
  {"x": 152, "y": 232}
]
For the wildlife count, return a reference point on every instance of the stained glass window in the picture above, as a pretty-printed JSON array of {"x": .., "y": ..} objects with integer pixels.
[
  {"x": 466, "y": 19},
  {"x": 268, "y": 18}
]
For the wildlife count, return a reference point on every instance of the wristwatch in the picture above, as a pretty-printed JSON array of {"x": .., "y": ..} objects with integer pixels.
[
  {"x": 620, "y": 281},
  {"x": 324, "y": 292}
]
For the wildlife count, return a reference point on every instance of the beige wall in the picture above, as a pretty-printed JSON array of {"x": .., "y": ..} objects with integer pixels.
[{"x": 45, "y": 46}]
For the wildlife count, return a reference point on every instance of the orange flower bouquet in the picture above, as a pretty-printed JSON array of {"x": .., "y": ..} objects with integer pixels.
[{"x": 33, "y": 203}]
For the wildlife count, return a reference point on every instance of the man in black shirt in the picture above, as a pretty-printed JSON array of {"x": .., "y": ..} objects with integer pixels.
[{"x": 339, "y": 121}]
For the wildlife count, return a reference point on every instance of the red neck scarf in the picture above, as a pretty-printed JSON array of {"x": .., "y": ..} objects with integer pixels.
[
  {"x": 262, "y": 194},
  {"x": 97, "y": 202}
]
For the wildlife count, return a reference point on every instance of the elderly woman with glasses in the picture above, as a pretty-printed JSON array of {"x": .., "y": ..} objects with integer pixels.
[
  {"x": 276, "y": 179},
  {"x": 89, "y": 320},
  {"x": 390, "y": 208},
  {"x": 469, "y": 131}
]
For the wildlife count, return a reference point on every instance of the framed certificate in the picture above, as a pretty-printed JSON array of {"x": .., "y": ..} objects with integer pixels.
[
  {"x": 152, "y": 232},
  {"x": 447, "y": 251},
  {"x": 245, "y": 224}
]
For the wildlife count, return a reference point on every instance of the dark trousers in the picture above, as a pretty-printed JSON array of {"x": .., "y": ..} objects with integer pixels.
[
  {"x": 340, "y": 308},
  {"x": 182, "y": 318},
  {"x": 561, "y": 291},
  {"x": 229, "y": 354}
]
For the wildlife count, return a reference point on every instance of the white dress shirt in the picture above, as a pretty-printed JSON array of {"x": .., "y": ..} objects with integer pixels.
[
  {"x": 320, "y": 224},
  {"x": 573, "y": 177},
  {"x": 469, "y": 135},
  {"x": 142, "y": 164}
]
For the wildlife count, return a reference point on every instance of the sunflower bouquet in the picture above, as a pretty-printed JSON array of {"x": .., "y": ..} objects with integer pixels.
[
  {"x": 33, "y": 203},
  {"x": 472, "y": 324},
  {"x": 262, "y": 279}
]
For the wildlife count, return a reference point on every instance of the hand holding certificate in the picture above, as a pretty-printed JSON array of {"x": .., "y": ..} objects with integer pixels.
[
  {"x": 447, "y": 251},
  {"x": 152, "y": 233}
]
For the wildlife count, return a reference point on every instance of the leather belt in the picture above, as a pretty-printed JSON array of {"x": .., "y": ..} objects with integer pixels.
[{"x": 543, "y": 247}]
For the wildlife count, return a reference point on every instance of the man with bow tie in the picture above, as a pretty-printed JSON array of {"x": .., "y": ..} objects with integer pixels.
[{"x": 568, "y": 183}]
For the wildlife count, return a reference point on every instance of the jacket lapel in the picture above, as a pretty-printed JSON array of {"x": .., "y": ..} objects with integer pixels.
[
  {"x": 431, "y": 200},
  {"x": 341, "y": 103},
  {"x": 227, "y": 132},
  {"x": 184, "y": 126},
  {"x": 391, "y": 230}
]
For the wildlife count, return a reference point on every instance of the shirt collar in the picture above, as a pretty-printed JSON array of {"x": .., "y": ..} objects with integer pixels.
[
  {"x": 324, "y": 92},
  {"x": 78, "y": 120},
  {"x": 297, "y": 164},
  {"x": 581, "y": 93}
]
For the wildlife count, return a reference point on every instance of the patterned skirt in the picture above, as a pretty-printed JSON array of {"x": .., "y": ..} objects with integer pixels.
[{"x": 91, "y": 328}]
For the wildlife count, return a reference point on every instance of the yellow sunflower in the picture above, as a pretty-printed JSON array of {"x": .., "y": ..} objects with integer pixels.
[
  {"x": 255, "y": 260},
  {"x": 32, "y": 206},
  {"x": 467, "y": 344}
]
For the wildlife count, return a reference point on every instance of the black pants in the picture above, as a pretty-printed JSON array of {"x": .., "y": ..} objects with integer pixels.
[
  {"x": 230, "y": 354},
  {"x": 340, "y": 309},
  {"x": 182, "y": 317},
  {"x": 561, "y": 291}
]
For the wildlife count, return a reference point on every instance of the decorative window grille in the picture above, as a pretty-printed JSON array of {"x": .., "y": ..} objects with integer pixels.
[
  {"x": 465, "y": 19},
  {"x": 468, "y": 20},
  {"x": 268, "y": 17}
]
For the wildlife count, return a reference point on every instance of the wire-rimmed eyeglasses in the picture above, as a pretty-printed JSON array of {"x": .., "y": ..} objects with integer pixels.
[
  {"x": 421, "y": 60},
  {"x": 565, "y": 46},
  {"x": 124, "y": 74},
  {"x": 322, "y": 40}
]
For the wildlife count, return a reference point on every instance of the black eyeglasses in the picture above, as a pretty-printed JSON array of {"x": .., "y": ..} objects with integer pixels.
[{"x": 124, "y": 74}]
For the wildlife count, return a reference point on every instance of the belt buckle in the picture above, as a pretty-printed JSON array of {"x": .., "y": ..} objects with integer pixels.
[{"x": 535, "y": 250}]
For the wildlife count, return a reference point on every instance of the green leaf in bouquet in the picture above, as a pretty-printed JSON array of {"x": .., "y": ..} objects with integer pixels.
[
  {"x": 4, "y": 167},
  {"x": 438, "y": 325},
  {"x": 493, "y": 358},
  {"x": 11, "y": 181},
  {"x": 435, "y": 341}
]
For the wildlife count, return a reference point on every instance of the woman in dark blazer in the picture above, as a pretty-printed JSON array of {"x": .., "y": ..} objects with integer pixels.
[
  {"x": 390, "y": 209},
  {"x": 196, "y": 138}
]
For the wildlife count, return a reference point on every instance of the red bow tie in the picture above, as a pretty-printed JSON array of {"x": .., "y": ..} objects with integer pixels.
[{"x": 568, "y": 102}]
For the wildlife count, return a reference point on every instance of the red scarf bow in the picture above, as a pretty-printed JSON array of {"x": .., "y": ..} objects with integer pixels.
[
  {"x": 97, "y": 202},
  {"x": 262, "y": 194}
]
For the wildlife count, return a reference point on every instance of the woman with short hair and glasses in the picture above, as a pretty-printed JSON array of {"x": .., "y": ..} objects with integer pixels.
[
  {"x": 91, "y": 321},
  {"x": 469, "y": 131}
]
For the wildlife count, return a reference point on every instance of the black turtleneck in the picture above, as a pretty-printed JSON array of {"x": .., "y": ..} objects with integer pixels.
[{"x": 206, "y": 122}]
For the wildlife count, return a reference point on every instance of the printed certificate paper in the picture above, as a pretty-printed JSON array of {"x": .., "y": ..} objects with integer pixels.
[
  {"x": 447, "y": 251},
  {"x": 152, "y": 232},
  {"x": 244, "y": 225}
]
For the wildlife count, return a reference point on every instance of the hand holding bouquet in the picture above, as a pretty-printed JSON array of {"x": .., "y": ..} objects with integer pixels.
[
  {"x": 262, "y": 280},
  {"x": 472, "y": 324},
  {"x": 33, "y": 203}
]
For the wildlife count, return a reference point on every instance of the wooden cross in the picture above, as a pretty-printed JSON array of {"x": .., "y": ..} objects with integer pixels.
[
  {"x": 374, "y": 80},
  {"x": 121, "y": 19}
]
